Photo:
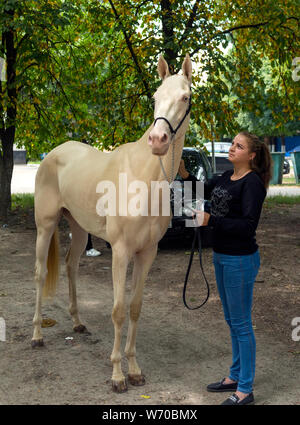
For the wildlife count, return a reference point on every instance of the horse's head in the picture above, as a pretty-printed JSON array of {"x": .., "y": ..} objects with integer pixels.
[{"x": 172, "y": 105}]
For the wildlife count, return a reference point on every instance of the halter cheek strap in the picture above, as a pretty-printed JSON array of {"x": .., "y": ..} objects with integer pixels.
[{"x": 173, "y": 132}]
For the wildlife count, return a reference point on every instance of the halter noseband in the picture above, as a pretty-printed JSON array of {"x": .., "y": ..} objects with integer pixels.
[{"x": 173, "y": 132}]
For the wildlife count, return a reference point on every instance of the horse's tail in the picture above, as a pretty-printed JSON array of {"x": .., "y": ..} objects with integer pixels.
[{"x": 52, "y": 266}]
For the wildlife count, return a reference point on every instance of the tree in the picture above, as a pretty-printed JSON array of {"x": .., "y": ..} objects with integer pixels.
[
  {"x": 87, "y": 68},
  {"x": 34, "y": 37},
  {"x": 263, "y": 105}
]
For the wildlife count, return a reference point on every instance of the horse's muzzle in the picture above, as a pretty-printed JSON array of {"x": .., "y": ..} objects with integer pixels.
[{"x": 159, "y": 143}]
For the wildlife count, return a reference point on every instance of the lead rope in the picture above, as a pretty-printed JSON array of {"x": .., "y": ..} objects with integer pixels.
[
  {"x": 197, "y": 229},
  {"x": 197, "y": 236},
  {"x": 173, "y": 166}
]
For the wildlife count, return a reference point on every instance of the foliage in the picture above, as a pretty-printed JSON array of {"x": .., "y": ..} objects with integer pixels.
[
  {"x": 263, "y": 107},
  {"x": 23, "y": 201},
  {"x": 86, "y": 69}
]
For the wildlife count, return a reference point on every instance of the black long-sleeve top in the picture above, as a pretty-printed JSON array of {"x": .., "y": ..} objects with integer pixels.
[{"x": 235, "y": 211}]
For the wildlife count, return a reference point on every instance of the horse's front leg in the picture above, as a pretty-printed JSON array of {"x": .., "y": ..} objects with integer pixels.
[
  {"x": 119, "y": 268},
  {"x": 142, "y": 263}
]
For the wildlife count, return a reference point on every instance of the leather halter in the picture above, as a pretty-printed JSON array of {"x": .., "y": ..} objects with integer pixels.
[{"x": 173, "y": 132}]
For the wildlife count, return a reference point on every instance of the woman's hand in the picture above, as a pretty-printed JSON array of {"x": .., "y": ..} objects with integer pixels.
[
  {"x": 182, "y": 170},
  {"x": 202, "y": 218}
]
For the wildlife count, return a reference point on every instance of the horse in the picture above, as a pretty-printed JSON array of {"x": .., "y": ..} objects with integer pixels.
[{"x": 66, "y": 185}]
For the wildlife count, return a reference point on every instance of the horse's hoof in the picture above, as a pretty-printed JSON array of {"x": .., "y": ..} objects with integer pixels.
[
  {"x": 81, "y": 329},
  {"x": 119, "y": 386},
  {"x": 137, "y": 380},
  {"x": 37, "y": 343}
]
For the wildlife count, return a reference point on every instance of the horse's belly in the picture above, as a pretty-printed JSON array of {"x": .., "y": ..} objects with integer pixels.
[{"x": 138, "y": 233}]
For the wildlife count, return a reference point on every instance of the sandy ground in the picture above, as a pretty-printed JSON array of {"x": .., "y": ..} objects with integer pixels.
[{"x": 179, "y": 351}]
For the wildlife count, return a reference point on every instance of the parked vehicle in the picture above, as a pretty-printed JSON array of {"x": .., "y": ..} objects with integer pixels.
[
  {"x": 286, "y": 167},
  {"x": 219, "y": 147},
  {"x": 221, "y": 156},
  {"x": 197, "y": 164}
]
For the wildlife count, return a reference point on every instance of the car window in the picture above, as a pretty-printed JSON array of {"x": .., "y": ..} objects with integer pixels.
[
  {"x": 220, "y": 147},
  {"x": 196, "y": 165},
  {"x": 207, "y": 165},
  {"x": 222, "y": 163}
]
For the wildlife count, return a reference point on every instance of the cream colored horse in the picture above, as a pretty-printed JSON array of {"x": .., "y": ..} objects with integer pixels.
[{"x": 66, "y": 185}]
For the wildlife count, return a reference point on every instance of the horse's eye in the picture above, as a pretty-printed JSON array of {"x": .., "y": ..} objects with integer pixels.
[{"x": 185, "y": 98}]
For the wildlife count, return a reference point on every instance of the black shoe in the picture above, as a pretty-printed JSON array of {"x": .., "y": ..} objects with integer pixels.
[
  {"x": 234, "y": 400},
  {"x": 219, "y": 387}
]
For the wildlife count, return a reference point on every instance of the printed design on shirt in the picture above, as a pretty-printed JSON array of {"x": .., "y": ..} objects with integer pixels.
[{"x": 219, "y": 201}]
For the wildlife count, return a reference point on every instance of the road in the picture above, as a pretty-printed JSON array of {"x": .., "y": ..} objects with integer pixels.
[{"x": 24, "y": 176}]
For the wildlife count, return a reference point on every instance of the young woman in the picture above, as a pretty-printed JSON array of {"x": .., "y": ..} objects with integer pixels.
[{"x": 236, "y": 203}]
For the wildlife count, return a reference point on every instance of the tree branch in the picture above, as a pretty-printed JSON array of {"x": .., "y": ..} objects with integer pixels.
[
  {"x": 63, "y": 92},
  {"x": 190, "y": 21},
  {"x": 130, "y": 48},
  {"x": 240, "y": 27},
  {"x": 229, "y": 31}
]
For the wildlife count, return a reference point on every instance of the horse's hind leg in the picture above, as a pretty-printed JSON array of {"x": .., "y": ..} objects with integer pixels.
[
  {"x": 44, "y": 235},
  {"x": 142, "y": 263},
  {"x": 78, "y": 244}
]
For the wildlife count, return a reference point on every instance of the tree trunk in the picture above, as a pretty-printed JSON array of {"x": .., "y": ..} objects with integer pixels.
[
  {"x": 6, "y": 169},
  {"x": 171, "y": 51},
  {"x": 8, "y": 118}
]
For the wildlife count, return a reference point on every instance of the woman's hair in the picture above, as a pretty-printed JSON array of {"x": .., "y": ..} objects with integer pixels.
[{"x": 262, "y": 162}]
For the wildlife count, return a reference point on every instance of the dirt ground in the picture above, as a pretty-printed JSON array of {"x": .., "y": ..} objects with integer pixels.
[{"x": 179, "y": 351}]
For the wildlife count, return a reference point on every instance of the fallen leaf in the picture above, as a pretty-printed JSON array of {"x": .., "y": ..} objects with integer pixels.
[
  {"x": 47, "y": 323},
  {"x": 145, "y": 396},
  {"x": 294, "y": 352}
]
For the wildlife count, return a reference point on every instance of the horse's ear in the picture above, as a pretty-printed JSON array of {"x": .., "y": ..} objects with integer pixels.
[
  {"x": 163, "y": 68},
  {"x": 187, "y": 67}
]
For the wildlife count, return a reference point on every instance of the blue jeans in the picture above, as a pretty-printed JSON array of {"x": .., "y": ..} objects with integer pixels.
[{"x": 235, "y": 276}]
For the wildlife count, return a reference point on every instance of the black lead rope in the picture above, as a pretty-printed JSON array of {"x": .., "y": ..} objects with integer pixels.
[{"x": 197, "y": 237}]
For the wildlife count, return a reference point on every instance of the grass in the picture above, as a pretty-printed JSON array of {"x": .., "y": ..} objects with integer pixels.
[
  {"x": 289, "y": 181},
  {"x": 23, "y": 201},
  {"x": 282, "y": 200},
  {"x": 34, "y": 162}
]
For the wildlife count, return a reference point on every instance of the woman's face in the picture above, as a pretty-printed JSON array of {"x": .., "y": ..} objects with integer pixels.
[{"x": 239, "y": 153}]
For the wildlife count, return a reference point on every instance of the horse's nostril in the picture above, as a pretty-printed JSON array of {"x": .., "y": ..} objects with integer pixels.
[
  {"x": 164, "y": 138},
  {"x": 150, "y": 140}
]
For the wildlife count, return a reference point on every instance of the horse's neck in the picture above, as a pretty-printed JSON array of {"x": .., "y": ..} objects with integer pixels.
[{"x": 170, "y": 166}]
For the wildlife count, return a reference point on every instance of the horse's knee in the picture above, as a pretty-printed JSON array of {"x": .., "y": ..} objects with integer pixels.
[
  {"x": 118, "y": 314},
  {"x": 135, "y": 311}
]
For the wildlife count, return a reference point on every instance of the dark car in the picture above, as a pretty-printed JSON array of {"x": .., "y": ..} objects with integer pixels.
[
  {"x": 221, "y": 156},
  {"x": 222, "y": 163},
  {"x": 181, "y": 226},
  {"x": 286, "y": 167}
]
